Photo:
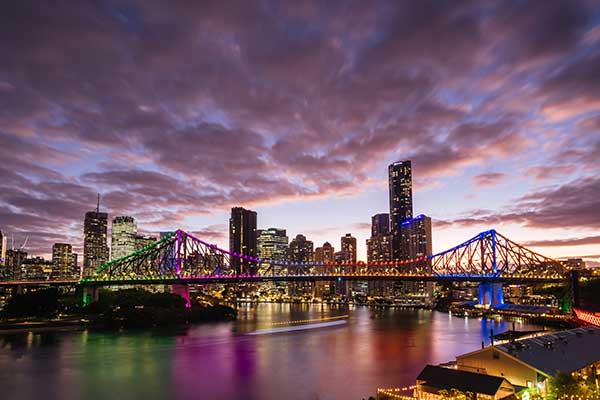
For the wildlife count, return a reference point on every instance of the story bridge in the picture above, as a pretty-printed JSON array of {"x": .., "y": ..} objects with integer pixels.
[{"x": 181, "y": 259}]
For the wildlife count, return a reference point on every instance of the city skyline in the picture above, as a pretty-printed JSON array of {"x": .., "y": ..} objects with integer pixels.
[{"x": 500, "y": 121}]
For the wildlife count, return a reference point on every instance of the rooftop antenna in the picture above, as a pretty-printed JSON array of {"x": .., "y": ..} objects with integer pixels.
[{"x": 98, "y": 204}]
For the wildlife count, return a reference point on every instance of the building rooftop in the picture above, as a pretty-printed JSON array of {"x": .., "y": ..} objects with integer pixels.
[
  {"x": 564, "y": 351},
  {"x": 446, "y": 379}
]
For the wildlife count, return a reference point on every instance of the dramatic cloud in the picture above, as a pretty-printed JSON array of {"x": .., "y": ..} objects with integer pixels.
[
  {"x": 572, "y": 205},
  {"x": 565, "y": 242},
  {"x": 178, "y": 111},
  {"x": 489, "y": 179}
]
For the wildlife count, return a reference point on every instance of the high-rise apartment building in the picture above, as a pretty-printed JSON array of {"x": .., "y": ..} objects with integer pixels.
[
  {"x": 348, "y": 247},
  {"x": 401, "y": 204},
  {"x": 123, "y": 237},
  {"x": 242, "y": 239},
  {"x": 64, "y": 262},
  {"x": 95, "y": 248}
]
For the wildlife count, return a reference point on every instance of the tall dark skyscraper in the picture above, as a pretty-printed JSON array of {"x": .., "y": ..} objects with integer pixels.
[
  {"x": 95, "y": 248},
  {"x": 401, "y": 205},
  {"x": 242, "y": 238}
]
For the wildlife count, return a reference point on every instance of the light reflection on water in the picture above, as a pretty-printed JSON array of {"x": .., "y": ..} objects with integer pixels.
[{"x": 375, "y": 348}]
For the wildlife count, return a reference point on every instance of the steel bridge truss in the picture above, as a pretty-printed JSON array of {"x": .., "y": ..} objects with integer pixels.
[
  {"x": 493, "y": 255},
  {"x": 182, "y": 256}
]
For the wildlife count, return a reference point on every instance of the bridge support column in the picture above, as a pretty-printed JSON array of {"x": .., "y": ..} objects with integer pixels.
[
  {"x": 184, "y": 292},
  {"x": 90, "y": 295},
  {"x": 490, "y": 294}
]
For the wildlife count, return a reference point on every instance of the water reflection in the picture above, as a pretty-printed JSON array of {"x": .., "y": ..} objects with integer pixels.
[{"x": 377, "y": 347}]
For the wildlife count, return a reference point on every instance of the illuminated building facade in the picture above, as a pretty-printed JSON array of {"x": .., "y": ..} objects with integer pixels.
[
  {"x": 37, "y": 268},
  {"x": 272, "y": 244},
  {"x": 242, "y": 239},
  {"x": 123, "y": 237},
  {"x": 64, "y": 262}
]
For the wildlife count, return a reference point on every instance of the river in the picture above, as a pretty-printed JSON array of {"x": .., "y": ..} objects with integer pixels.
[{"x": 374, "y": 348}]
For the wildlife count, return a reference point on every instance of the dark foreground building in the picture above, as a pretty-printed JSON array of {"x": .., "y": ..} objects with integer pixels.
[{"x": 242, "y": 239}]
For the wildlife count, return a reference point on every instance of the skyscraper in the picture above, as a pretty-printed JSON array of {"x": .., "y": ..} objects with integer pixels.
[
  {"x": 242, "y": 239},
  {"x": 123, "y": 234},
  {"x": 95, "y": 248},
  {"x": 348, "y": 246},
  {"x": 401, "y": 206},
  {"x": 62, "y": 261}
]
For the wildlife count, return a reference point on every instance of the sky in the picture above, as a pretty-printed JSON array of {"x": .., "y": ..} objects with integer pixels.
[{"x": 176, "y": 111}]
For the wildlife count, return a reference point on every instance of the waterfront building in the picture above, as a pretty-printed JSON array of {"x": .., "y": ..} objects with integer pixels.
[
  {"x": 13, "y": 263},
  {"x": 95, "y": 248},
  {"x": 242, "y": 239},
  {"x": 123, "y": 237},
  {"x": 37, "y": 268},
  {"x": 433, "y": 381},
  {"x": 64, "y": 262},
  {"x": 301, "y": 250},
  {"x": 531, "y": 362},
  {"x": 401, "y": 203}
]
